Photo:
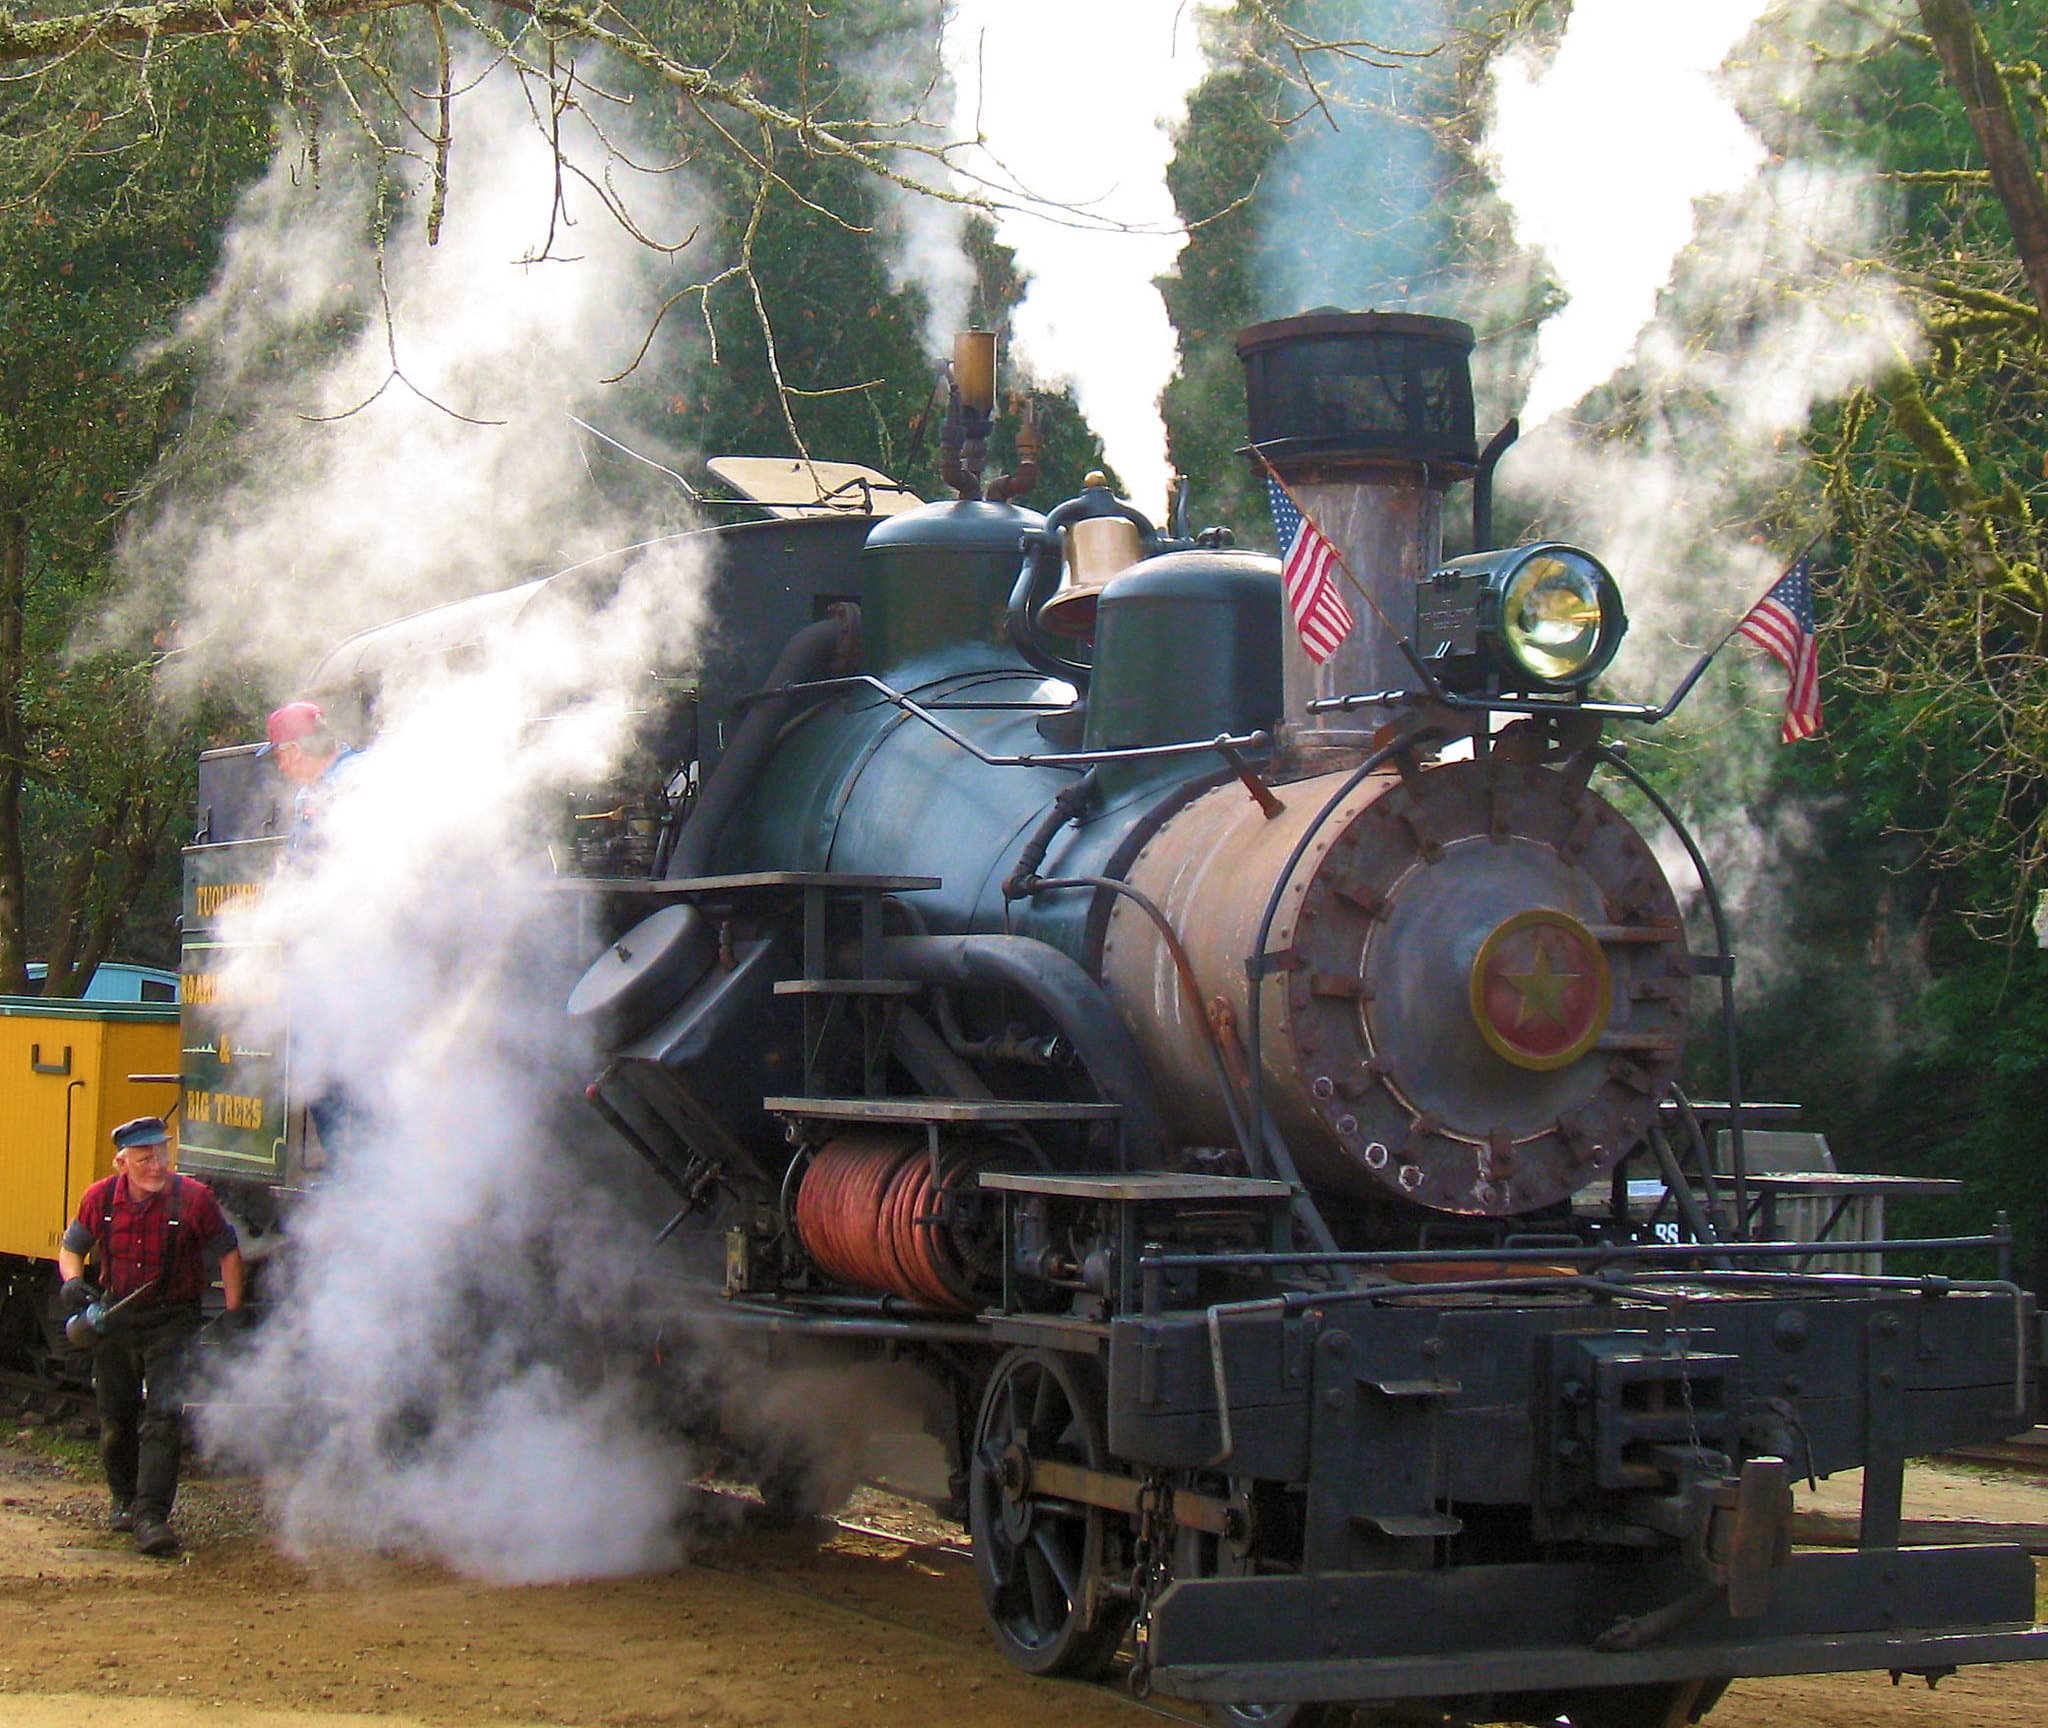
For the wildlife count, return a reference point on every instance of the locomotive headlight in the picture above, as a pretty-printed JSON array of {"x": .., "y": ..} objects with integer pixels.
[
  {"x": 1544, "y": 616},
  {"x": 1560, "y": 616}
]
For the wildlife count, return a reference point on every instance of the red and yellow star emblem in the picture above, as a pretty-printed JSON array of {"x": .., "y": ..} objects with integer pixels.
[{"x": 1541, "y": 989}]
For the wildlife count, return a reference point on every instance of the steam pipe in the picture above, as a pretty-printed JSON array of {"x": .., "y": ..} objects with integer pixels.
[
  {"x": 1716, "y": 1207},
  {"x": 1075, "y": 1002},
  {"x": 952, "y": 444},
  {"x": 1067, "y": 806},
  {"x": 1680, "y": 1190},
  {"x": 812, "y": 654},
  {"x": 1006, "y": 488},
  {"x": 1482, "y": 483},
  {"x": 1177, "y": 949}
]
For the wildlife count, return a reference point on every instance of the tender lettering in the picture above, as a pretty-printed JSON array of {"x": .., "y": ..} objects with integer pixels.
[
  {"x": 201, "y": 988},
  {"x": 224, "y": 1109},
  {"x": 216, "y": 897}
]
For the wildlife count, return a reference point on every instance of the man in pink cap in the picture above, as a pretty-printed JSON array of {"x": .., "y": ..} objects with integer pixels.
[
  {"x": 313, "y": 759},
  {"x": 308, "y": 755}
]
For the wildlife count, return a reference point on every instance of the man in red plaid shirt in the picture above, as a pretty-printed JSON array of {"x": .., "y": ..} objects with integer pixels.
[{"x": 155, "y": 1236}]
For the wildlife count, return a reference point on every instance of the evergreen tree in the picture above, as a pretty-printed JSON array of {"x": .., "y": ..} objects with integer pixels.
[{"x": 109, "y": 211}]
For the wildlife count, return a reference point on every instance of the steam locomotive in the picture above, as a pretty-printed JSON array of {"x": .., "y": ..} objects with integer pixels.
[{"x": 1222, "y": 1072}]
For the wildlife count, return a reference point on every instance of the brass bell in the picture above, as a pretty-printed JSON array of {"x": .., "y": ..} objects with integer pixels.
[{"x": 1095, "y": 549}]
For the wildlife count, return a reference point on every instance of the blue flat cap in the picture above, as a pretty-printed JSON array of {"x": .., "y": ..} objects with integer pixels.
[{"x": 142, "y": 1131}]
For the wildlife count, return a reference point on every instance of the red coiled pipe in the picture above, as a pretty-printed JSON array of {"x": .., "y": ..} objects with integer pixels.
[{"x": 868, "y": 1214}]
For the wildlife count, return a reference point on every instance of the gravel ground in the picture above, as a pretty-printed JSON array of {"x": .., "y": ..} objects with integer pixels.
[{"x": 873, "y": 1625}]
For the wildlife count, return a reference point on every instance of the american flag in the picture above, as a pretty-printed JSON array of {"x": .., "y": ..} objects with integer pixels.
[
  {"x": 1308, "y": 573},
  {"x": 1781, "y": 624}
]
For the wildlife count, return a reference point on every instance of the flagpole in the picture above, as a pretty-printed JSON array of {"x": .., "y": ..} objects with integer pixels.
[
  {"x": 1700, "y": 665},
  {"x": 1729, "y": 635}
]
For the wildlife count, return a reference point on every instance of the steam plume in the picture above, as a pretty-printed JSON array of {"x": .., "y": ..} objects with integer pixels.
[
  {"x": 1709, "y": 293},
  {"x": 1075, "y": 104},
  {"x": 1700, "y": 241},
  {"x": 1602, "y": 155},
  {"x": 430, "y": 455},
  {"x": 412, "y": 1392},
  {"x": 1355, "y": 209}
]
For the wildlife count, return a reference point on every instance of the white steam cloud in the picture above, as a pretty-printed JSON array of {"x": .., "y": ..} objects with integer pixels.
[
  {"x": 1724, "y": 321},
  {"x": 468, "y": 1243},
  {"x": 443, "y": 1379},
  {"x": 1706, "y": 278},
  {"x": 1074, "y": 104},
  {"x": 431, "y": 456},
  {"x": 1355, "y": 210},
  {"x": 1602, "y": 155}
]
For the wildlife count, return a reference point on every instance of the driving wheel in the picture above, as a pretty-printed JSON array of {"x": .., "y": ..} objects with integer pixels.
[{"x": 1041, "y": 1560}]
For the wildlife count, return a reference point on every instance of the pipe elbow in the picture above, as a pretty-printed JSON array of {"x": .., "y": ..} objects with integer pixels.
[{"x": 1061, "y": 989}]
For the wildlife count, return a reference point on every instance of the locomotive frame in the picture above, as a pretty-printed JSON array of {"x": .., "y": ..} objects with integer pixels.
[{"x": 1141, "y": 1052}]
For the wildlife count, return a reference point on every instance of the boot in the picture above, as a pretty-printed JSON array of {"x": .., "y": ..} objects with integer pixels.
[
  {"x": 121, "y": 1517},
  {"x": 154, "y": 1537}
]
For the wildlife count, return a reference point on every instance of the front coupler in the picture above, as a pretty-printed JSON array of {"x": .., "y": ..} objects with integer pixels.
[{"x": 1570, "y": 1489}]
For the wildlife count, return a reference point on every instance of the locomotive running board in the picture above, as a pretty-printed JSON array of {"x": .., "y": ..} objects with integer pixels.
[{"x": 1361, "y": 1636}]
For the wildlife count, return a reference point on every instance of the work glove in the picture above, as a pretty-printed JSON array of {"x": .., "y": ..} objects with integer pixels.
[{"x": 76, "y": 1294}]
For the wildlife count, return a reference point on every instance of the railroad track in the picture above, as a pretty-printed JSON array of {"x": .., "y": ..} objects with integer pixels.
[
  {"x": 2027, "y": 1453},
  {"x": 953, "y": 1557},
  {"x": 24, "y": 1395}
]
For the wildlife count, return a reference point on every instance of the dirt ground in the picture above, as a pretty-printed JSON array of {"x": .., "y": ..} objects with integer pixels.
[{"x": 759, "y": 1631}]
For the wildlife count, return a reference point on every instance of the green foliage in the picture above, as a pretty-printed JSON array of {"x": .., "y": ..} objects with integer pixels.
[
  {"x": 1229, "y": 138},
  {"x": 1938, "y": 687},
  {"x": 111, "y": 196}
]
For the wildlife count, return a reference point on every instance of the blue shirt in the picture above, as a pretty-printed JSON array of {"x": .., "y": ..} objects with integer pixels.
[{"x": 310, "y": 801}]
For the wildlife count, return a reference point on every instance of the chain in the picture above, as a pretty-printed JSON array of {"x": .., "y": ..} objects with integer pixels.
[
  {"x": 1692, "y": 1416},
  {"x": 1151, "y": 1571}
]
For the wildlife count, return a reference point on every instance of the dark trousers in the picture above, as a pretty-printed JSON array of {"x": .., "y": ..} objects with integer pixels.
[
  {"x": 137, "y": 1379},
  {"x": 339, "y": 1121}
]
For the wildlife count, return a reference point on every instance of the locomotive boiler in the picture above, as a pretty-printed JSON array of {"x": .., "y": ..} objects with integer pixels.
[{"x": 1221, "y": 1069}]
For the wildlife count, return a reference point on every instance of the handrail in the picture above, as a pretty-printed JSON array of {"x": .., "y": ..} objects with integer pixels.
[
  {"x": 1597, "y": 1254},
  {"x": 1562, "y": 702},
  {"x": 1223, "y": 742},
  {"x": 1738, "y": 1157},
  {"x": 1603, "y": 1265}
]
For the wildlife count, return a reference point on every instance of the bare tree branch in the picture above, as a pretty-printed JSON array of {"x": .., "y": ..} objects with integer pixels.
[
  {"x": 1980, "y": 84},
  {"x": 45, "y": 38}
]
